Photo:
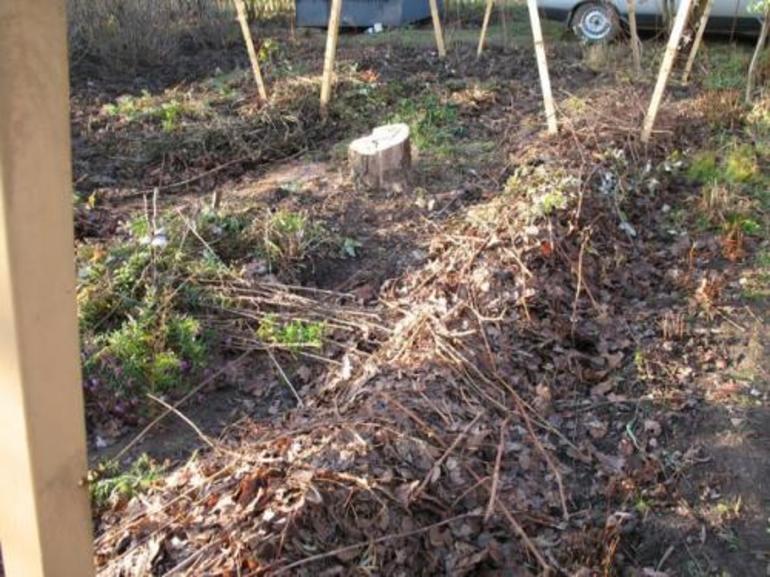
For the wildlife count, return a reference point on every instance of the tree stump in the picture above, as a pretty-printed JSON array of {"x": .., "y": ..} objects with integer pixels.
[{"x": 383, "y": 158}]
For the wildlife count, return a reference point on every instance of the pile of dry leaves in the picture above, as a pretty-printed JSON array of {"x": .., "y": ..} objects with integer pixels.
[{"x": 502, "y": 421}]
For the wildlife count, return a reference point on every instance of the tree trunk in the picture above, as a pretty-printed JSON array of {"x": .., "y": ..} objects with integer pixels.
[{"x": 383, "y": 158}]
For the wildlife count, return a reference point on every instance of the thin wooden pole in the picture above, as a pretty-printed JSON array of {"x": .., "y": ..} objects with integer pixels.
[
  {"x": 761, "y": 41},
  {"x": 665, "y": 68},
  {"x": 332, "y": 35},
  {"x": 542, "y": 67},
  {"x": 636, "y": 50},
  {"x": 484, "y": 27},
  {"x": 704, "y": 19},
  {"x": 437, "y": 29},
  {"x": 45, "y": 521},
  {"x": 240, "y": 8},
  {"x": 503, "y": 8}
]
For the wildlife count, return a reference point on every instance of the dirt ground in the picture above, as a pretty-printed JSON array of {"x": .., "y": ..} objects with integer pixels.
[{"x": 578, "y": 391}]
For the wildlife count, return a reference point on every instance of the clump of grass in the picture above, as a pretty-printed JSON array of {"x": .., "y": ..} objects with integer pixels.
[
  {"x": 109, "y": 487},
  {"x": 726, "y": 68},
  {"x": 291, "y": 334},
  {"x": 704, "y": 167},
  {"x": 741, "y": 165},
  {"x": 290, "y": 238},
  {"x": 433, "y": 122}
]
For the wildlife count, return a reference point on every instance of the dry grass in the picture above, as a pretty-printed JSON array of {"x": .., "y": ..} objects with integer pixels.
[{"x": 120, "y": 33}]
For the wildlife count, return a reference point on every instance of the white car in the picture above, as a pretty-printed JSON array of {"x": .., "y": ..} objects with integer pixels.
[{"x": 603, "y": 20}]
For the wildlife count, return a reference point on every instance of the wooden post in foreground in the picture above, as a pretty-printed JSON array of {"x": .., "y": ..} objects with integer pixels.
[
  {"x": 665, "y": 68},
  {"x": 484, "y": 27},
  {"x": 761, "y": 41},
  {"x": 542, "y": 67},
  {"x": 240, "y": 7},
  {"x": 332, "y": 35},
  {"x": 45, "y": 521},
  {"x": 437, "y": 29},
  {"x": 704, "y": 19}
]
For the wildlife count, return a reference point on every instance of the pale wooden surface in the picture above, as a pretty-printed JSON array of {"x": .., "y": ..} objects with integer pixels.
[
  {"x": 636, "y": 45},
  {"x": 332, "y": 36},
  {"x": 484, "y": 27},
  {"x": 542, "y": 67},
  {"x": 665, "y": 68},
  {"x": 240, "y": 8},
  {"x": 704, "y": 18},
  {"x": 437, "y": 28},
  {"x": 382, "y": 158},
  {"x": 45, "y": 522}
]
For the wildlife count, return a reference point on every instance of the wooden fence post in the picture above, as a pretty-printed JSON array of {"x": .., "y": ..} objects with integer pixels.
[
  {"x": 704, "y": 19},
  {"x": 45, "y": 521},
  {"x": 332, "y": 35},
  {"x": 437, "y": 29},
  {"x": 665, "y": 69},
  {"x": 542, "y": 67},
  {"x": 240, "y": 8}
]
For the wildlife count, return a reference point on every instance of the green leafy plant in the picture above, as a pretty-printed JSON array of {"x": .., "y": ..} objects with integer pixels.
[
  {"x": 290, "y": 237},
  {"x": 110, "y": 487},
  {"x": 291, "y": 334},
  {"x": 549, "y": 190},
  {"x": 433, "y": 122}
]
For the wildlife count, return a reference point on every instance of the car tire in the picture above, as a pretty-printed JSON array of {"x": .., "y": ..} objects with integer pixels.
[{"x": 596, "y": 22}]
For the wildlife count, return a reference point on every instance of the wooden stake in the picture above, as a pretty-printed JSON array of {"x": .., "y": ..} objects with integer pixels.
[
  {"x": 484, "y": 27},
  {"x": 45, "y": 521},
  {"x": 636, "y": 50},
  {"x": 542, "y": 67},
  {"x": 437, "y": 29},
  {"x": 240, "y": 7},
  {"x": 697, "y": 41},
  {"x": 755, "y": 58},
  {"x": 665, "y": 68},
  {"x": 332, "y": 35},
  {"x": 503, "y": 8}
]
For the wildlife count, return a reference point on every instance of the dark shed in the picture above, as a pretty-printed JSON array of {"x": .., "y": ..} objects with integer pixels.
[{"x": 363, "y": 13}]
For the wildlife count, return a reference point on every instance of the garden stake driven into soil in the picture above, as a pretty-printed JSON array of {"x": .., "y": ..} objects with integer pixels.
[
  {"x": 697, "y": 42},
  {"x": 665, "y": 69}
]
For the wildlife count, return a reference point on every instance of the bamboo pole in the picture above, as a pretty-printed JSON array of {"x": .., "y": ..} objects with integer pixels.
[
  {"x": 45, "y": 521},
  {"x": 542, "y": 67},
  {"x": 503, "y": 8},
  {"x": 332, "y": 35},
  {"x": 636, "y": 50},
  {"x": 755, "y": 58},
  {"x": 243, "y": 19},
  {"x": 437, "y": 29},
  {"x": 665, "y": 69},
  {"x": 485, "y": 27},
  {"x": 704, "y": 19}
]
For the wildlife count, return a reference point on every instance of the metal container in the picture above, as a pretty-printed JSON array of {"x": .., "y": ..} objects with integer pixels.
[{"x": 363, "y": 13}]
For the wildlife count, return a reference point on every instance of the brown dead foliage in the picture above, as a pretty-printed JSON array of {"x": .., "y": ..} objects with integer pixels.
[{"x": 495, "y": 425}]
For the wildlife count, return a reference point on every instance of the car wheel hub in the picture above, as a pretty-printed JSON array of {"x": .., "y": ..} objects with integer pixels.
[{"x": 595, "y": 25}]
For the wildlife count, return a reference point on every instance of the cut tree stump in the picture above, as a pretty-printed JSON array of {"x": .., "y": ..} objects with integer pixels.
[{"x": 383, "y": 158}]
